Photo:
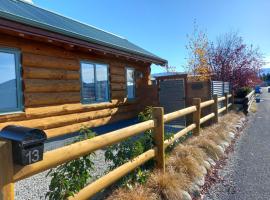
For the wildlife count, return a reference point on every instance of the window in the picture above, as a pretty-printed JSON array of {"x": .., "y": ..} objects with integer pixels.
[
  {"x": 10, "y": 81},
  {"x": 130, "y": 72},
  {"x": 95, "y": 86}
]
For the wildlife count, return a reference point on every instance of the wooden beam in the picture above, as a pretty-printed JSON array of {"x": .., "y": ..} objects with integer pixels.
[
  {"x": 158, "y": 132},
  {"x": 197, "y": 115},
  {"x": 6, "y": 171}
]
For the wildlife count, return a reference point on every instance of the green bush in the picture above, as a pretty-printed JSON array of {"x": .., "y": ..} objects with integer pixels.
[
  {"x": 69, "y": 178},
  {"x": 242, "y": 92},
  {"x": 129, "y": 149}
]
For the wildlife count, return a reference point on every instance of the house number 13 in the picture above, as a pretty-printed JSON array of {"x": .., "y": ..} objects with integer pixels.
[{"x": 33, "y": 156}]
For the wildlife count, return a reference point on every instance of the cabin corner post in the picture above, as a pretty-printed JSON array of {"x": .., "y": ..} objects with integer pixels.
[
  {"x": 197, "y": 115},
  {"x": 158, "y": 113},
  {"x": 215, "y": 108},
  {"x": 6, "y": 171},
  {"x": 226, "y": 102}
]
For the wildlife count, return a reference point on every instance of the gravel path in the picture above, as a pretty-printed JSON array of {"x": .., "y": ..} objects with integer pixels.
[
  {"x": 35, "y": 187},
  {"x": 246, "y": 176}
]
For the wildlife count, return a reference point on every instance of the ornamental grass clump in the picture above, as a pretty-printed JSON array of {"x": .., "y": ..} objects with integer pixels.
[
  {"x": 169, "y": 185},
  {"x": 186, "y": 165},
  {"x": 184, "y": 150},
  {"x": 209, "y": 147},
  {"x": 138, "y": 192}
]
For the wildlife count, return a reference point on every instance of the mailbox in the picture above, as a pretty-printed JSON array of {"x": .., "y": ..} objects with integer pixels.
[{"x": 27, "y": 143}]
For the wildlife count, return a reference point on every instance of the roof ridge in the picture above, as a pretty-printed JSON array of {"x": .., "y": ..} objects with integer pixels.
[{"x": 70, "y": 18}]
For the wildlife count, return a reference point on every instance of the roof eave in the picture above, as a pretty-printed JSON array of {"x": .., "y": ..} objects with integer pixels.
[{"x": 155, "y": 60}]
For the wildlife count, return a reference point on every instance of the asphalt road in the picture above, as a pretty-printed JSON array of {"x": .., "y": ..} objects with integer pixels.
[{"x": 246, "y": 176}]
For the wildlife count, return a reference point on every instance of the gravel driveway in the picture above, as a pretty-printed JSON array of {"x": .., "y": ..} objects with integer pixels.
[{"x": 247, "y": 173}]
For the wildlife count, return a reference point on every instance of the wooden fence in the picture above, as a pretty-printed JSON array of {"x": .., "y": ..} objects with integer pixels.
[
  {"x": 246, "y": 102},
  {"x": 10, "y": 173}
]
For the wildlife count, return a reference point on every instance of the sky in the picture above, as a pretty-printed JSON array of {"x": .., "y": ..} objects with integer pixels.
[{"x": 161, "y": 26}]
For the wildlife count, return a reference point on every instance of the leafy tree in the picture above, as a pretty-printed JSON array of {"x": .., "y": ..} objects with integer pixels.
[
  {"x": 198, "y": 57},
  {"x": 234, "y": 61}
]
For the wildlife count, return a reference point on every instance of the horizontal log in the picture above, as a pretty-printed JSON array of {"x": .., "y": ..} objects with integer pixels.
[
  {"x": 118, "y": 94},
  {"x": 35, "y": 60},
  {"x": 118, "y": 86},
  {"x": 221, "y": 110},
  {"x": 221, "y": 99},
  {"x": 179, "y": 134},
  {"x": 113, "y": 176},
  {"x": 38, "y": 99},
  {"x": 67, "y": 153},
  {"x": 229, "y": 95},
  {"x": 52, "y": 74},
  {"x": 13, "y": 116},
  {"x": 72, "y": 108},
  {"x": 229, "y": 105},
  {"x": 207, "y": 117},
  {"x": 250, "y": 94},
  {"x": 69, "y": 129},
  {"x": 180, "y": 113},
  {"x": 39, "y": 85},
  {"x": 207, "y": 103},
  {"x": 117, "y": 78},
  {"x": 117, "y": 70}
]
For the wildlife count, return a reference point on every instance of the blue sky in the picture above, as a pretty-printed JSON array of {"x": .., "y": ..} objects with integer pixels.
[{"x": 162, "y": 26}]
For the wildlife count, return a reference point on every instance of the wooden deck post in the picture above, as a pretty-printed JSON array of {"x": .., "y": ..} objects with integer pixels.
[
  {"x": 226, "y": 102},
  {"x": 215, "y": 108},
  {"x": 6, "y": 171},
  {"x": 158, "y": 113},
  {"x": 197, "y": 115}
]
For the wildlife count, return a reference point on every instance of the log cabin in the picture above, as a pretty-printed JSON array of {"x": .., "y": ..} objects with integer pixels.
[{"x": 58, "y": 74}]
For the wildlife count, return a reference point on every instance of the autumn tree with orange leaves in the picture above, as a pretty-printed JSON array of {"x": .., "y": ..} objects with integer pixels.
[{"x": 197, "y": 61}]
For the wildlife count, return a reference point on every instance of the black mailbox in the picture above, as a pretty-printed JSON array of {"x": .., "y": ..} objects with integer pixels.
[{"x": 27, "y": 143}]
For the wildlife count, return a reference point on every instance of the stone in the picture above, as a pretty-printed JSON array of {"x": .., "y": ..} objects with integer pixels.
[
  {"x": 207, "y": 165},
  {"x": 221, "y": 149},
  {"x": 211, "y": 161},
  {"x": 186, "y": 195},
  {"x": 195, "y": 190},
  {"x": 203, "y": 170},
  {"x": 199, "y": 181}
]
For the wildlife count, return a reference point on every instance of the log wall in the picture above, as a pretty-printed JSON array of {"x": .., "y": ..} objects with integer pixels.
[{"x": 51, "y": 88}]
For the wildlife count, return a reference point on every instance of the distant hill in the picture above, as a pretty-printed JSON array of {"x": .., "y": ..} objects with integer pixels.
[{"x": 265, "y": 70}]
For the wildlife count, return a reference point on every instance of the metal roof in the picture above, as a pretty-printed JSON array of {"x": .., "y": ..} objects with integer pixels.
[{"x": 22, "y": 12}]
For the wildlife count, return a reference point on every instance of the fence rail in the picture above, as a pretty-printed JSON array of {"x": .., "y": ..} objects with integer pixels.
[{"x": 9, "y": 173}]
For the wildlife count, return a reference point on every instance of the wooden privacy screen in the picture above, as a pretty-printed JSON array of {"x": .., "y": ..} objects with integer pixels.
[{"x": 9, "y": 173}]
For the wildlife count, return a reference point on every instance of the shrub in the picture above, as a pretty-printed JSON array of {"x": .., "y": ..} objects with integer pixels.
[
  {"x": 69, "y": 178},
  {"x": 129, "y": 149},
  {"x": 242, "y": 92}
]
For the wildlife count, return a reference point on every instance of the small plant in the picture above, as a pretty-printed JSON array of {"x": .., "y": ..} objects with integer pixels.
[
  {"x": 71, "y": 177},
  {"x": 242, "y": 92},
  {"x": 131, "y": 148}
]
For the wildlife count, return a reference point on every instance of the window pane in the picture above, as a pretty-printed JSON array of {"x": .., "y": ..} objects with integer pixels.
[
  {"x": 130, "y": 84},
  {"x": 88, "y": 82},
  {"x": 102, "y": 90},
  {"x": 8, "y": 85}
]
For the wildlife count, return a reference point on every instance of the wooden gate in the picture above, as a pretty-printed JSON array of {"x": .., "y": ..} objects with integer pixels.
[{"x": 172, "y": 97}]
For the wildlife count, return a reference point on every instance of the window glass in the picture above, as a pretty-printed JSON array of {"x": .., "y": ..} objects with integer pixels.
[
  {"x": 102, "y": 90},
  {"x": 130, "y": 83},
  {"x": 88, "y": 82},
  {"x": 9, "y": 88},
  {"x": 95, "y": 86}
]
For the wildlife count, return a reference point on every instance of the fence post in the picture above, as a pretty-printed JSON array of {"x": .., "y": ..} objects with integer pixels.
[
  {"x": 197, "y": 115},
  {"x": 158, "y": 113},
  {"x": 6, "y": 171},
  {"x": 215, "y": 108},
  {"x": 226, "y": 102},
  {"x": 232, "y": 101}
]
